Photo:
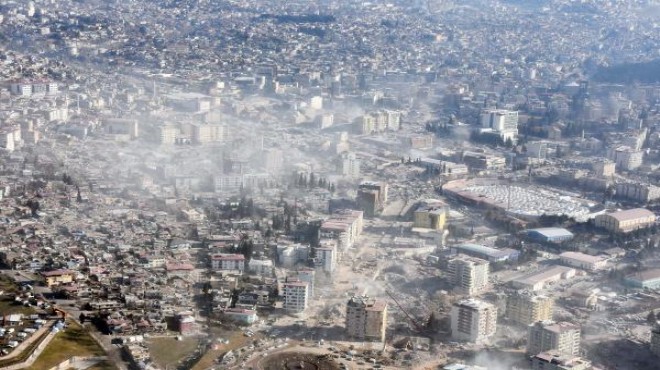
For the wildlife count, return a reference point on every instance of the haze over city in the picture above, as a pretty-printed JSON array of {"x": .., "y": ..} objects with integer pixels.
[{"x": 330, "y": 184}]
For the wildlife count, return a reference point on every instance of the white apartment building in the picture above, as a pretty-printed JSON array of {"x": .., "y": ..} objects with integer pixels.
[
  {"x": 501, "y": 121},
  {"x": 326, "y": 256},
  {"x": 230, "y": 262},
  {"x": 261, "y": 267},
  {"x": 549, "y": 335},
  {"x": 473, "y": 321},
  {"x": 348, "y": 165},
  {"x": 469, "y": 274},
  {"x": 167, "y": 134}
]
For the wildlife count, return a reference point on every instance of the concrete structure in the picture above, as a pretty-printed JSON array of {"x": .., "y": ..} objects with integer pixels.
[
  {"x": 648, "y": 279},
  {"x": 537, "y": 280},
  {"x": 553, "y": 360},
  {"x": 638, "y": 192},
  {"x": 371, "y": 197},
  {"x": 345, "y": 226},
  {"x": 626, "y": 158},
  {"x": 626, "y": 221},
  {"x": 502, "y": 122},
  {"x": 121, "y": 127},
  {"x": 295, "y": 296},
  {"x": 207, "y": 133},
  {"x": 526, "y": 308},
  {"x": 604, "y": 168},
  {"x": 240, "y": 315},
  {"x": 348, "y": 165},
  {"x": 228, "y": 262},
  {"x": 326, "y": 256},
  {"x": 58, "y": 277},
  {"x": 563, "y": 337},
  {"x": 583, "y": 261},
  {"x": 431, "y": 214},
  {"x": 550, "y": 234},
  {"x": 168, "y": 134},
  {"x": 366, "y": 318},
  {"x": 260, "y": 266},
  {"x": 473, "y": 321},
  {"x": 483, "y": 162},
  {"x": 468, "y": 274},
  {"x": 486, "y": 253}
]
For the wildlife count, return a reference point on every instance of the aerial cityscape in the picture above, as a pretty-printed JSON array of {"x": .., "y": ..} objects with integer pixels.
[{"x": 330, "y": 184}]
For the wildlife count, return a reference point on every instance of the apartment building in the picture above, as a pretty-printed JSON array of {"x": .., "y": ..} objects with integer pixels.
[
  {"x": 473, "y": 321},
  {"x": 527, "y": 308},
  {"x": 228, "y": 262},
  {"x": 563, "y": 337},
  {"x": 468, "y": 274},
  {"x": 366, "y": 318},
  {"x": 295, "y": 295}
]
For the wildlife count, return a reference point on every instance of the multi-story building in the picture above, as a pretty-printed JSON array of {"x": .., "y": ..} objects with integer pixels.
[
  {"x": 468, "y": 274},
  {"x": 348, "y": 165},
  {"x": 371, "y": 197},
  {"x": 501, "y": 121},
  {"x": 260, "y": 266},
  {"x": 638, "y": 192},
  {"x": 526, "y": 308},
  {"x": 480, "y": 161},
  {"x": 431, "y": 214},
  {"x": 228, "y": 262},
  {"x": 604, "y": 168},
  {"x": 207, "y": 133},
  {"x": 366, "y": 319},
  {"x": 626, "y": 158},
  {"x": 553, "y": 360},
  {"x": 58, "y": 277},
  {"x": 473, "y": 321},
  {"x": 295, "y": 295},
  {"x": 167, "y": 134},
  {"x": 122, "y": 127},
  {"x": 326, "y": 255},
  {"x": 563, "y": 337},
  {"x": 626, "y": 221}
]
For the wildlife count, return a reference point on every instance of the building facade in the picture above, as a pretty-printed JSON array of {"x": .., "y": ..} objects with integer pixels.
[
  {"x": 469, "y": 274},
  {"x": 525, "y": 308},
  {"x": 473, "y": 321},
  {"x": 295, "y": 296},
  {"x": 228, "y": 262},
  {"x": 563, "y": 337},
  {"x": 626, "y": 221},
  {"x": 366, "y": 319}
]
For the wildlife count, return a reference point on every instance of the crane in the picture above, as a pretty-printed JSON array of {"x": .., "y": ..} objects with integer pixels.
[{"x": 419, "y": 328}]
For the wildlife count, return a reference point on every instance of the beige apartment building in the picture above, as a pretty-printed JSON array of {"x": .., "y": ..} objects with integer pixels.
[
  {"x": 366, "y": 318},
  {"x": 526, "y": 308},
  {"x": 563, "y": 337}
]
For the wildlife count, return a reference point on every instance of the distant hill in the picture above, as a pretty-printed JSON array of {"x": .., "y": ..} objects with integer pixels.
[{"x": 647, "y": 72}]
